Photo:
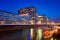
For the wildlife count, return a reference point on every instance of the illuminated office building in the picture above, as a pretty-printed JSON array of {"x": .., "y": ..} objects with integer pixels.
[
  {"x": 43, "y": 20},
  {"x": 28, "y": 11}
]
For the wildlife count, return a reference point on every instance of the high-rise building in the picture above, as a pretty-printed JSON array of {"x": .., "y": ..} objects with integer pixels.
[{"x": 28, "y": 11}]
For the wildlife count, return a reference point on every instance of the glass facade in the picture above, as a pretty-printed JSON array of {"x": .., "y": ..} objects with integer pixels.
[
  {"x": 11, "y": 18},
  {"x": 29, "y": 12}
]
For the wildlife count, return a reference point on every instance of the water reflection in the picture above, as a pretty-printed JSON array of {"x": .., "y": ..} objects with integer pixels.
[
  {"x": 32, "y": 34},
  {"x": 39, "y": 34}
]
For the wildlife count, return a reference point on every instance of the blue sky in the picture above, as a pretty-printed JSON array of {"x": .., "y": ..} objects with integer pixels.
[{"x": 51, "y": 8}]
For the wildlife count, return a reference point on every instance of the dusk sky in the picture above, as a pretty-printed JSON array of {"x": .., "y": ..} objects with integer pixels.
[{"x": 51, "y": 8}]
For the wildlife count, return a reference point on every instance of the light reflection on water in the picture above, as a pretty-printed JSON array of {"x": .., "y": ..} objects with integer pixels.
[
  {"x": 25, "y": 34},
  {"x": 39, "y": 34},
  {"x": 33, "y": 34},
  {"x": 28, "y": 34}
]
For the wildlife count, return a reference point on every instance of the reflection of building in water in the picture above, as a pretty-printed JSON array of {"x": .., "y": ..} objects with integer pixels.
[
  {"x": 26, "y": 33},
  {"x": 39, "y": 34},
  {"x": 32, "y": 34}
]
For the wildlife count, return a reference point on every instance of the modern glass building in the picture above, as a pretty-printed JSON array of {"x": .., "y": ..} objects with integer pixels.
[
  {"x": 28, "y": 11},
  {"x": 11, "y": 18}
]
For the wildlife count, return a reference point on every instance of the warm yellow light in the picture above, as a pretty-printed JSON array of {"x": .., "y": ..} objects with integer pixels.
[
  {"x": 31, "y": 32},
  {"x": 32, "y": 22},
  {"x": 51, "y": 38},
  {"x": 24, "y": 14},
  {"x": 39, "y": 34},
  {"x": 56, "y": 30},
  {"x": 38, "y": 23},
  {"x": 48, "y": 22},
  {"x": 52, "y": 23}
]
